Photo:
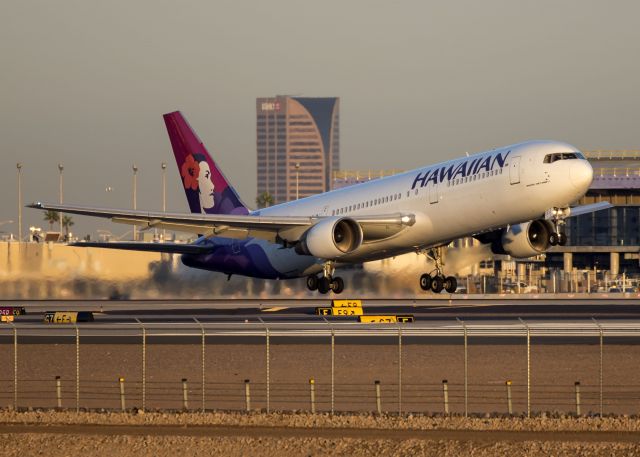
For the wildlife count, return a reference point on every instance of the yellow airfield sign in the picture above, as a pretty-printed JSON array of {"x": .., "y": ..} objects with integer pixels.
[
  {"x": 346, "y": 303},
  {"x": 385, "y": 319},
  {"x": 326, "y": 311}
]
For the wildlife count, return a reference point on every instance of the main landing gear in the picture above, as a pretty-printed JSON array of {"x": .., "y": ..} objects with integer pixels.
[
  {"x": 557, "y": 217},
  {"x": 436, "y": 281},
  {"x": 327, "y": 282}
]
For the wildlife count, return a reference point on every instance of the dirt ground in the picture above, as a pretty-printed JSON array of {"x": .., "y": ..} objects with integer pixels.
[{"x": 96, "y": 434}]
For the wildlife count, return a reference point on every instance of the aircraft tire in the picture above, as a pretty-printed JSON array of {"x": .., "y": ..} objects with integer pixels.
[
  {"x": 312, "y": 282},
  {"x": 553, "y": 239},
  {"x": 324, "y": 285},
  {"x": 437, "y": 284},
  {"x": 337, "y": 285},
  {"x": 562, "y": 239},
  {"x": 450, "y": 284},
  {"x": 425, "y": 281}
]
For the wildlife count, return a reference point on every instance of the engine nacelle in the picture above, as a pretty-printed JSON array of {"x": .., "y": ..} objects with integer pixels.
[
  {"x": 527, "y": 239},
  {"x": 331, "y": 238}
]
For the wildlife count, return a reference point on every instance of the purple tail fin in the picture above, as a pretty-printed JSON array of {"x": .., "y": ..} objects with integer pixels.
[{"x": 207, "y": 189}]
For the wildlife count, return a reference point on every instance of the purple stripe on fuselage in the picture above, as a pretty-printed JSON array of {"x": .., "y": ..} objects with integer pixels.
[{"x": 231, "y": 256}]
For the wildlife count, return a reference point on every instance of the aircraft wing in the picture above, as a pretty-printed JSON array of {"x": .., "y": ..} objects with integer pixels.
[
  {"x": 288, "y": 228},
  {"x": 171, "y": 248}
]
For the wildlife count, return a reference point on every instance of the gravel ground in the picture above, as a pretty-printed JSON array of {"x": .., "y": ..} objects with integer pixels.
[{"x": 123, "y": 445}]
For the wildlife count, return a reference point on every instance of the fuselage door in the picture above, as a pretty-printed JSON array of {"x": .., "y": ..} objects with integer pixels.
[
  {"x": 433, "y": 192},
  {"x": 514, "y": 170}
]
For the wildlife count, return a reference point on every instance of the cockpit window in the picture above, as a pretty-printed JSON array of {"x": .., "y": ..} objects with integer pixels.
[{"x": 550, "y": 158}]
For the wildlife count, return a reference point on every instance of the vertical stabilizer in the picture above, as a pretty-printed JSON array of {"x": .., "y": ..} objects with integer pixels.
[{"x": 206, "y": 187}]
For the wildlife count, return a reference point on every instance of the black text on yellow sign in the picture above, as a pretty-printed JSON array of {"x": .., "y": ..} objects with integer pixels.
[
  {"x": 61, "y": 317},
  {"x": 346, "y": 303},
  {"x": 67, "y": 317},
  {"x": 339, "y": 311},
  {"x": 385, "y": 319}
]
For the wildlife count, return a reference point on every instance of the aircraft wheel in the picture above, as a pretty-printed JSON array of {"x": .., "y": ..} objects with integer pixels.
[
  {"x": 425, "y": 281},
  {"x": 312, "y": 282},
  {"x": 450, "y": 284},
  {"x": 437, "y": 284},
  {"x": 553, "y": 239},
  {"x": 337, "y": 285},
  {"x": 324, "y": 285},
  {"x": 562, "y": 238}
]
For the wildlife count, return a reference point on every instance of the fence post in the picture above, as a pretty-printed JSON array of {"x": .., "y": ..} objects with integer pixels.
[
  {"x": 58, "y": 392},
  {"x": 77, "y": 369},
  {"x": 268, "y": 376},
  {"x": 445, "y": 395},
  {"x": 399, "y": 370},
  {"x": 601, "y": 365},
  {"x": 312, "y": 391},
  {"x": 528, "y": 367},
  {"x": 15, "y": 367},
  {"x": 185, "y": 393},
  {"x": 122, "y": 399},
  {"x": 203, "y": 364},
  {"x": 203, "y": 372},
  {"x": 509, "y": 402},
  {"x": 577, "y": 386},
  {"x": 144, "y": 365},
  {"x": 378, "y": 397},
  {"x": 247, "y": 394},
  {"x": 333, "y": 366},
  {"x": 466, "y": 369}
]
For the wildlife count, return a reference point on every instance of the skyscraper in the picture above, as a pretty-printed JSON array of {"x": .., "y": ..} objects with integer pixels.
[{"x": 298, "y": 145}]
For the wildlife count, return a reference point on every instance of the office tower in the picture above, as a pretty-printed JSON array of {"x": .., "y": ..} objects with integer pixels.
[{"x": 298, "y": 145}]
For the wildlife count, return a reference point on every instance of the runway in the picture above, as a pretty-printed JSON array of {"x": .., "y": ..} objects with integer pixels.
[
  {"x": 298, "y": 311},
  {"x": 472, "y": 303}
]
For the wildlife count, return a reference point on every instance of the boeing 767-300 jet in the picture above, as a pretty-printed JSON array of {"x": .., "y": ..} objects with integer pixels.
[{"x": 515, "y": 198}]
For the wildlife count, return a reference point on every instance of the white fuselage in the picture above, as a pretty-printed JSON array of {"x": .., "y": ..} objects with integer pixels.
[{"x": 457, "y": 198}]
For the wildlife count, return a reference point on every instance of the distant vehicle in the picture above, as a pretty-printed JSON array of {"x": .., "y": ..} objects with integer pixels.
[
  {"x": 515, "y": 198},
  {"x": 512, "y": 288},
  {"x": 614, "y": 290}
]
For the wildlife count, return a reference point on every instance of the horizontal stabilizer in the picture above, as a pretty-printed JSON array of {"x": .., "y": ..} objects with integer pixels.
[{"x": 172, "y": 248}]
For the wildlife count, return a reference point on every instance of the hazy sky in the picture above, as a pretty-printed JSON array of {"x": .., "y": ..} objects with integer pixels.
[{"x": 85, "y": 83}]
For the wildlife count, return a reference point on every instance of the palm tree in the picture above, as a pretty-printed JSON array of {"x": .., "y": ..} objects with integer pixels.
[
  {"x": 67, "y": 222},
  {"x": 51, "y": 217},
  {"x": 264, "y": 199}
]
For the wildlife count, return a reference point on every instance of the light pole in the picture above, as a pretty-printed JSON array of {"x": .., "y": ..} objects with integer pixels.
[
  {"x": 60, "y": 169},
  {"x": 297, "y": 180},
  {"x": 19, "y": 168},
  {"x": 135, "y": 198},
  {"x": 164, "y": 195}
]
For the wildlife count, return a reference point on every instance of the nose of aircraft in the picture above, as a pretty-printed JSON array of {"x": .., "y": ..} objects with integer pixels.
[{"x": 581, "y": 174}]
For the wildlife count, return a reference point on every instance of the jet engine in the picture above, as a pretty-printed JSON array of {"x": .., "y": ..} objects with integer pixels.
[
  {"x": 520, "y": 241},
  {"x": 330, "y": 238},
  {"x": 526, "y": 239}
]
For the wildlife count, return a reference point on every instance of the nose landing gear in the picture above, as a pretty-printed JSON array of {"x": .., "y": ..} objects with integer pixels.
[
  {"x": 436, "y": 281},
  {"x": 557, "y": 217},
  {"x": 327, "y": 282}
]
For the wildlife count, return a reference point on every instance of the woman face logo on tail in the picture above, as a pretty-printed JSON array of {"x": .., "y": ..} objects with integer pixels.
[{"x": 196, "y": 175}]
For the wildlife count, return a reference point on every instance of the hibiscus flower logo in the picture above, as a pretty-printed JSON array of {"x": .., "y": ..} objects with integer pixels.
[{"x": 190, "y": 171}]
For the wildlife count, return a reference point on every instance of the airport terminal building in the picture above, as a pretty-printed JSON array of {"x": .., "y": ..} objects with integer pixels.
[
  {"x": 298, "y": 145},
  {"x": 609, "y": 239}
]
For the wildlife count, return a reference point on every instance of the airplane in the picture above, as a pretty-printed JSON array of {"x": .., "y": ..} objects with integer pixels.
[{"x": 515, "y": 198}]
